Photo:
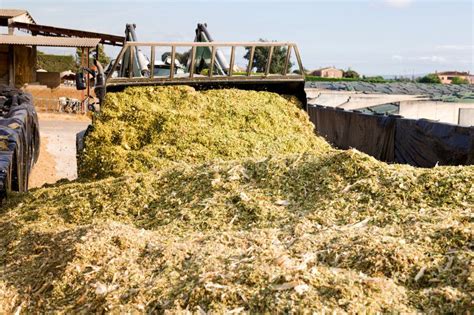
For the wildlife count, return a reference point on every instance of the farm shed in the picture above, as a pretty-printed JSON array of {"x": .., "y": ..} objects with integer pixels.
[{"x": 18, "y": 52}]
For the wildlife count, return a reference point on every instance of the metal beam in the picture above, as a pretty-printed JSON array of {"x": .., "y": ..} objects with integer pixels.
[{"x": 46, "y": 30}]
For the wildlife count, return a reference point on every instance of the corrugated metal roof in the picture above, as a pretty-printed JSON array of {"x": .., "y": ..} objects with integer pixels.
[
  {"x": 47, "y": 30},
  {"x": 11, "y": 12},
  {"x": 49, "y": 41}
]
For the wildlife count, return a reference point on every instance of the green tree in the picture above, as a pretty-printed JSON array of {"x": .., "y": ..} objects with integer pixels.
[
  {"x": 351, "y": 74},
  {"x": 297, "y": 71},
  {"x": 54, "y": 63},
  {"x": 103, "y": 58},
  {"x": 459, "y": 80},
  {"x": 429, "y": 78},
  {"x": 260, "y": 58},
  {"x": 374, "y": 79}
]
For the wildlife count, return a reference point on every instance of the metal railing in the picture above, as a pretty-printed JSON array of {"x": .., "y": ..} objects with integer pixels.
[{"x": 130, "y": 49}]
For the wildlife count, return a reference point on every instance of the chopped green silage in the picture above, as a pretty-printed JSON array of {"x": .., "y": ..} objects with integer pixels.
[
  {"x": 337, "y": 232},
  {"x": 145, "y": 128},
  {"x": 230, "y": 204}
]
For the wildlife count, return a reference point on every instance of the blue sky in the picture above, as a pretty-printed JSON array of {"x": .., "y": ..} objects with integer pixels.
[{"x": 388, "y": 37}]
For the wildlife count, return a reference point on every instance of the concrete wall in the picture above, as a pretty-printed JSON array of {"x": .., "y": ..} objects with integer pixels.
[{"x": 439, "y": 111}]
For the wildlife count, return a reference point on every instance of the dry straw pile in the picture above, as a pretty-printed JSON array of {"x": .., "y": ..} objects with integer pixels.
[{"x": 334, "y": 231}]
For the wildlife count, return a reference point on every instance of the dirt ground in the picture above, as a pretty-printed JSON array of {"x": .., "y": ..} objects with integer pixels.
[
  {"x": 57, "y": 159},
  {"x": 44, "y": 171}
]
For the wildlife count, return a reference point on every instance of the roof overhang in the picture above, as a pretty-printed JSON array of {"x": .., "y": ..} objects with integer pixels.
[
  {"x": 48, "y": 41},
  {"x": 8, "y": 16},
  {"x": 46, "y": 30}
]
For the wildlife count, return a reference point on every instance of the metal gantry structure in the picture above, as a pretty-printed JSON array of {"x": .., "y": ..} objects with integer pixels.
[{"x": 134, "y": 77}]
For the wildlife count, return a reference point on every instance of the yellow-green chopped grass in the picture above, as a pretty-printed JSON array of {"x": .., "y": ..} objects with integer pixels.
[
  {"x": 335, "y": 232},
  {"x": 145, "y": 128}
]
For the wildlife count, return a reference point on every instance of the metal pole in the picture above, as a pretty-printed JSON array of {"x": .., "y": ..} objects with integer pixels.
[
  {"x": 269, "y": 61},
  {"x": 82, "y": 66},
  {"x": 130, "y": 66},
  {"x": 193, "y": 60},
  {"x": 213, "y": 60},
  {"x": 152, "y": 62},
  {"x": 88, "y": 81},
  {"x": 287, "y": 60},
  {"x": 232, "y": 57},
  {"x": 250, "y": 65},
  {"x": 173, "y": 58},
  {"x": 298, "y": 57}
]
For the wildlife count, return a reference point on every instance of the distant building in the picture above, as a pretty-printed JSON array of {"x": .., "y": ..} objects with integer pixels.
[
  {"x": 18, "y": 53},
  {"x": 328, "y": 72},
  {"x": 447, "y": 76}
]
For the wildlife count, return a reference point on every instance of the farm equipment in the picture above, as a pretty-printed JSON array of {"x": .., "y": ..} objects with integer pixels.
[
  {"x": 205, "y": 68},
  {"x": 19, "y": 139}
]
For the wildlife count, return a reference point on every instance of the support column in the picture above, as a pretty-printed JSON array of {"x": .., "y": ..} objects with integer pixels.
[
  {"x": 82, "y": 65},
  {"x": 11, "y": 65},
  {"x": 84, "y": 109}
]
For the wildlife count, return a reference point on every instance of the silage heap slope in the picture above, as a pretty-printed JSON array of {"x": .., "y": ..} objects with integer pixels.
[
  {"x": 145, "y": 128},
  {"x": 338, "y": 231}
]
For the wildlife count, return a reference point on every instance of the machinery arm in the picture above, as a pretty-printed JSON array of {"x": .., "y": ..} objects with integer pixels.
[
  {"x": 203, "y": 36},
  {"x": 140, "y": 62}
]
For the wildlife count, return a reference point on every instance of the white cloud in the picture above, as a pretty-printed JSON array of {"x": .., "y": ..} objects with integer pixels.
[
  {"x": 455, "y": 47},
  {"x": 436, "y": 59},
  {"x": 399, "y": 3},
  {"x": 397, "y": 57}
]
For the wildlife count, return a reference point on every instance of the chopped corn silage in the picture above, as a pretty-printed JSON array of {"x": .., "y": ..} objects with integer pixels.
[
  {"x": 144, "y": 128},
  {"x": 338, "y": 231}
]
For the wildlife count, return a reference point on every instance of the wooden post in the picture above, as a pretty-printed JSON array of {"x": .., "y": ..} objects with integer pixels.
[{"x": 11, "y": 65}]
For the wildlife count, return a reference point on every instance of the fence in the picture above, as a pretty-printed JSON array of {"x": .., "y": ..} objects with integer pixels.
[
  {"x": 47, "y": 104},
  {"x": 53, "y": 105},
  {"x": 395, "y": 139}
]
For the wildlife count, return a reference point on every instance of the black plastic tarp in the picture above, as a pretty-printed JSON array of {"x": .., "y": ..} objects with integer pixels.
[
  {"x": 394, "y": 139},
  {"x": 19, "y": 139},
  {"x": 427, "y": 143},
  {"x": 371, "y": 134}
]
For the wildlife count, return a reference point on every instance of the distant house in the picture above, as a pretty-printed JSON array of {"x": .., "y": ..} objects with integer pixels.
[
  {"x": 328, "y": 72},
  {"x": 447, "y": 76}
]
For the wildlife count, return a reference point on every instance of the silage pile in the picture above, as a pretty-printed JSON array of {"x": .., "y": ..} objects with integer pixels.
[
  {"x": 153, "y": 127},
  {"x": 334, "y": 231}
]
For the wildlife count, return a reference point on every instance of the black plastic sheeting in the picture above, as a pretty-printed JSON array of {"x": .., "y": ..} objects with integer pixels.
[
  {"x": 440, "y": 92},
  {"x": 19, "y": 139},
  {"x": 394, "y": 139},
  {"x": 428, "y": 143}
]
